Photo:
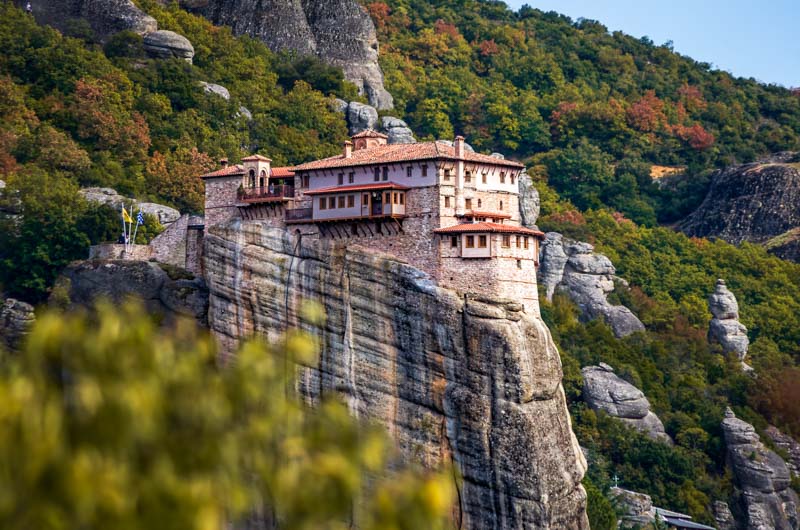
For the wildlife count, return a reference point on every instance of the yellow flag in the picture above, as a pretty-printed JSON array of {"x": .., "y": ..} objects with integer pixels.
[{"x": 125, "y": 216}]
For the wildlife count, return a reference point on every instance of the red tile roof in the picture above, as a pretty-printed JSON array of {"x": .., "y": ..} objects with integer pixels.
[
  {"x": 281, "y": 172},
  {"x": 369, "y": 133},
  {"x": 225, "y": 172},
  {"x": 388, "y": 154},
  {"x": 479, "y": 213},
  {"x": 256, "y": 158},
  {"x": 359, "y": 187},
  {"x": 468, "y": 228}
]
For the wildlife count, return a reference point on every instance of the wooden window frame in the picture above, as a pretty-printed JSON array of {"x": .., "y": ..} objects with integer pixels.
[
  {"x": 470, "y": 242},
  {"x": 377, "y": 174},
  {"x": 351, "y": 177},
  {"x": 484, "y": 176},
  {"x": 340, "y": 179},
  {"x": 502, "y": 177},
  {"x": 468, "y": 204},
  {"x": 468, "y": 176},
  {"x": 331, "y": 203},
  {"x": 483, "y": 241},
  {"x": 402, "y": 198},
  {"x": 506, "y": 242},
  {"x": 340, "y": 201},
  {"x": 453, "y": 241},
  {"x": 323, "y": 203},
  {"x": 526, "y": 242},
  {"x": 409, "y": 172},
  {"x": 447, "y": 202},
  {"x": 424, "y": 170},
  {"x": 351, "y": 201},
  {"x": 385, "y": 173},
  {"x": 447, "y": 174}
]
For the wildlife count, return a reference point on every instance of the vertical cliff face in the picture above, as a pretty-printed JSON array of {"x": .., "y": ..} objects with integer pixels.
[
  {"x": 340, "y": 32},
  {"x": 475, "y": 382}
]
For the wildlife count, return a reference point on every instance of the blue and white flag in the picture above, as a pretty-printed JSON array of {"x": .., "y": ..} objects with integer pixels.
[{"x": 139, "y": 218}]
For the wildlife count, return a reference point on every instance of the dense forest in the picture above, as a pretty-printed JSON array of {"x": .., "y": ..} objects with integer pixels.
[{"x": 591, "y": 112}]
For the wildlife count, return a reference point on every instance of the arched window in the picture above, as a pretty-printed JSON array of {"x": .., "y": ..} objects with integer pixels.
[
  {"x": 501, "y": 206},
  {"x": 252, "y": 178},
  {"x": 262, "y": 179}
]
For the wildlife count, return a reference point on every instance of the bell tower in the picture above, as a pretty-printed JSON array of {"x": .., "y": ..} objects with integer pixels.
[{"x": 256, "y": 171}]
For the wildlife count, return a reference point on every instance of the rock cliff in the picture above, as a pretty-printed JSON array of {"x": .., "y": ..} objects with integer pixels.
[
  {"x": 752, "y": 202},
  {"x": 587, "y": 278},
  {"x": 604, "y": 390},
  {"x": 789, "y": 445},
  {"x": 764, "y": 497},
  {"x": 471, "y": 381},
  {"x": 105, "y": 17},
  {"x": 340, "y": 32},
  {"x": 725, "y": 327}
]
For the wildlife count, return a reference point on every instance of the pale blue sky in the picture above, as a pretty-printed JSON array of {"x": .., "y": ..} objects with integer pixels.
[{"x": 759, "y": 39}]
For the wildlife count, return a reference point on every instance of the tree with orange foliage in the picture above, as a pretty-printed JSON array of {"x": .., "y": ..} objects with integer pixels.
[
  {"x": 647, "y": 114},
  {"x": 176, "y": 177}
]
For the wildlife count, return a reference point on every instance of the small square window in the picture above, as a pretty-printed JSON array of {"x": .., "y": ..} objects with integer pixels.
[
  {"x": 483, "y": 178},
  {"x": 468, "y": 176},
  {"x": 341, "y": 201},
  {"x": 513, "y": 178},
  {"x": 323, "y": 203},
  {"x": 341, "y": 179},
  {"x": 470, "y": 242},
  {"x": 526, "y": 242},
  {"x": 351, "y": 201},
  {"x": 447, "y": 174},
  {"x": 501, "y": 206},
  {"x": 377, "y": 174},
  {"x": 305, "y": 181},
  {"x": 402, "y": 198},
  {"x": 385, "y": 173},
  {"x": 387, "y": 198},
  {"x": 506, "y": 241},
  {"x": 365, "y": 199},
  {"x": 447, "y": 202},
  {"x": 331, "y": 203},
  {"x": 351, "y": 177},
  {"x": 502, "y": 177},
  {"x": 409, "y": 171},
  {"x": 425, "y": 170},
  {"x": 395, "y": 198},
  {"x": 481, "y": 241},
  {"x": 453, "y": 241},
  {"x": 518, "y": 241},
  {"x": 468, "y": 204},
  {"x": 480, "y": 203}
]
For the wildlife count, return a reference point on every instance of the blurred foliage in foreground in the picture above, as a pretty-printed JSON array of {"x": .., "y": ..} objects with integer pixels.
[{"x": 108, "y": 422}]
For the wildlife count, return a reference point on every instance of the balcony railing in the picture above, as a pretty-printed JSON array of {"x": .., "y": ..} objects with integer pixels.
[
  {"x": 266, "y": 194},
  {"x": 299, "y": 214}
]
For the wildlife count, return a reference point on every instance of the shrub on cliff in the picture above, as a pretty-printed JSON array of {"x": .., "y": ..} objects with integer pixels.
[{"x": 111, "y": 423}]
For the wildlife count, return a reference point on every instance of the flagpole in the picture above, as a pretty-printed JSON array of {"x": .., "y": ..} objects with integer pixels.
[
  {"x": 137, "y": 225},
  {"x": 124, "y": 228}
]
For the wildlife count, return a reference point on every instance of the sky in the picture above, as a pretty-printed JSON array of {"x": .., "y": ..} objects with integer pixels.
[{"x": 759, "y": 39}]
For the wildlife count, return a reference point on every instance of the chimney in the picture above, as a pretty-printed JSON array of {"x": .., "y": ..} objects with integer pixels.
[
  {"x": 223, "y": 162},
  {"x": 459, "y": 146},
  {"x": 348, "y": 149}
]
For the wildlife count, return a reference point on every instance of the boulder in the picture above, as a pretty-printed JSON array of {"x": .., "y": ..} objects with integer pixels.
[
  {"x": 106, "y": 17},
  {"x": 16, "y": 320},
  {"x": 604, "y": 390},
  {"x": 529, "y": 202},
  {"x": 165, "y": 44},
  {"x": 725, "y": 327},
  {"x": 167, "y": 292},
  {"x": 110, "y": 197},
  {"x": 723, "y": 516},
  {"x": 397, "y": 130},
  {"x": 217, "y": 90},
  {"x": 2, "y": 184},
  {"x": 340, "y": 105},
  {"x": 587, "y": 278},
  {"x": 361, "y": 117},
  {"x": 245, "y": 113},
  {"x": 762, "y": 480}
]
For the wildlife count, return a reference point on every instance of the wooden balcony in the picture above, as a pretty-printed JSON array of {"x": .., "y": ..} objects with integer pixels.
[{"x": 273, "y": 193}]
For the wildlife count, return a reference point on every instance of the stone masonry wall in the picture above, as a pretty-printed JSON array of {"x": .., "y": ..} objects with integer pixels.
[{"x": 220, "y": 201}]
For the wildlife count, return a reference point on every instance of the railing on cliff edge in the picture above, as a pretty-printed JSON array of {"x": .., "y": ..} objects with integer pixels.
[{"x": 266, "y": 193}]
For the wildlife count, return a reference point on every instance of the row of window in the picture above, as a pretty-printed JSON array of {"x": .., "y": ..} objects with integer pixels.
[
  {"x": 468, "y": 203},
  {"x": 382, "y": 173},
  {"x": 484, "y": 176},
  {"x": 521, "y": 242},
  {"x": 331, "y": 203}
]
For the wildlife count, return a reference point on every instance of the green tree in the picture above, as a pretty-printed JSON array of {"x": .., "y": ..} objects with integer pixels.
[{"x": 109, "y": 422}]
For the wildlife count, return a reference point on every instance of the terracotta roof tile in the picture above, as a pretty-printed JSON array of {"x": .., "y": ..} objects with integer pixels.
[
  {"x": 370, "y": 133},
  {"x": 388, "y": 154},
  {"x": 225, "y": 172},
  {"x": 359, "y": 187},
  {"x": 281, "y": 172},
  {"x": 256, "y": 158},
  {"x": 468, "y": 228}
]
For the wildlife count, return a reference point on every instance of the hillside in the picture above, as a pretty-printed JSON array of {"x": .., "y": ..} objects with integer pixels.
[
  {"x": 596, "y": 109},
  {"x": 590, "y": 112}
]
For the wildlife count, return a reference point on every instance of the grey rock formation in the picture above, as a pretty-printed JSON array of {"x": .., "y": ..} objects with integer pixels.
[
  {"x": 165, "y": 44},
  {"x": 725, "y": 327},
  {"x": 106, "y": 17},
  {"x": 110, "y": 197},
  {"x": 764, "y": 497},
  {"x": 16, "y": 320},
  {"x": 397, "y": 130},
  {"x": 472, "y": 382},
  {"x": 166, "y": 293},
  {"x": 218, "y": 90},
  {"x": 245, "y": 113},
  {"x": 751, "y": 202},
  {"x": 340, "y": 105},
  {"x": 604, "y": 390},
  {"x": 529, "y": 203},
  {"x": 361, "y": 117},
  {"x": 340, "y": 32},
  {"x": 636, "y": 509},
  {"x": 2, "y": 184},
  {"x": 587, "y": 278},
  {"x": 789, "y": 445},
  {"x": 723, "y": 516}
]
